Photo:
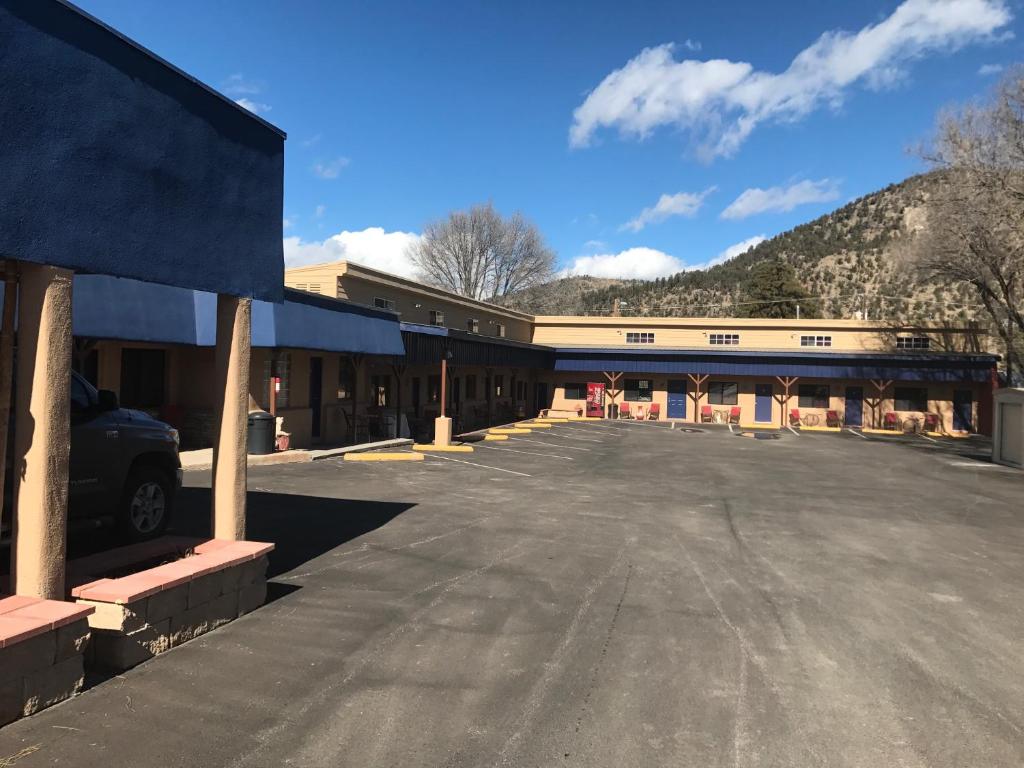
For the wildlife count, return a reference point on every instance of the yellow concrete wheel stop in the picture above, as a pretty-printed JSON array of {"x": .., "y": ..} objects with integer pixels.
[{"x": 371, "y": 456}]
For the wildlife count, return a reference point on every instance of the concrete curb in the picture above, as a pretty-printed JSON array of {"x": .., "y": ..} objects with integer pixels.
[{"x": 360, "y": 448}]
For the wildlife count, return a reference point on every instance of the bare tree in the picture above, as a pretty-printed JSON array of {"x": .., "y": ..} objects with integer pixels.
[
  {"x": 975, "y": 229},
  {"x": 480, "y": 254}
]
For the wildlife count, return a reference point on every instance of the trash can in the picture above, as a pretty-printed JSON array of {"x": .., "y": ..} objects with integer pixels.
[
  {"x": 261, "y": 433},
  {"x": 613, "y": 411}
]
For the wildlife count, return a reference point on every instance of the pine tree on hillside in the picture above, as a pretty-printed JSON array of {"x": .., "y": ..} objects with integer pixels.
[{"x": 775, "y": 292}]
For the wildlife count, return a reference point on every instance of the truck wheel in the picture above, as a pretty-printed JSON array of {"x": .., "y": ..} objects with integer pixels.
[{"x": 146, "y": 504}]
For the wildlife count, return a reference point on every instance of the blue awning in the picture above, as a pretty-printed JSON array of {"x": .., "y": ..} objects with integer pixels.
[
  {"x": 952, "y": 367},
  {"x": 117, "y": 163},
  {"x": 130, "y": 310}
]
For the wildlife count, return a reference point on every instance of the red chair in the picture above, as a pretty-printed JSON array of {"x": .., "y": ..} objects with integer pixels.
[
  {"x": 734, "y": 415},
  {"x": 624, "y": 412},
  {"x": 931, "y": 422},
  {"x": 891, "y": 421},
  {"x": 654, "y": 412},
  {"x": 832, "y": 419},
  {"x": 705, "y": 414},
  {"x": 794, "y": 417}
]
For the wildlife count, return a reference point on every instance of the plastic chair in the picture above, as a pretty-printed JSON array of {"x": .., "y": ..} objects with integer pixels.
[
  {"x": 705, "y": 414},
  {"x": 624, "y": 412},
  {"x": 931, "y": 422},
  {"x": 654, "y": 412},
  {"x": 832, "y": 419},
  {"x": 891, "y": 421},
  {"x": 794, "y": 417},
  {"x": 734, "y": 415}
]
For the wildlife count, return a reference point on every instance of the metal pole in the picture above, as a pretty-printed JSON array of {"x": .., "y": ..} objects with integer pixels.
[{"x": 444, "y": 376}]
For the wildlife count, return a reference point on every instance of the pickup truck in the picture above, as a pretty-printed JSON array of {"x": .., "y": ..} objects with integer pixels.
[{"x": 124, "y": 466}]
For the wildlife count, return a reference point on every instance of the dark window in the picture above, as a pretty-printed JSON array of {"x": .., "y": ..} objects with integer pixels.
[
  {"x": 383, "y": 303},
  {"x": 142, "y": 378},
  {"x": 80, "y": 400},
  {"x": 639, "y": 390},
  {"x": 911, "y": 399},
  {"x": 640, "y": 337},
  {"x": 520, "y": 390},
  {"x": 576, "y": 391},
  {"x": 813, "y": 395},
  {"x": 815, "y": 341},
  {"x": 913, "y": 342},
  {"x": 346, "y": 378},
  {"x": 724, "y": 338},
  {"x": 279, "y": 365},
  {"x": 415, "y": 395},
  {"x": 473, "y": 326},
  {"x": 499, "y": 330},
  {"x": 499, "y": 386},
  {"x": 433, "y": 389},
  {"x": 436, "y": 317},
  {"x": 471, "y": 387},
  {"x": 723, "y": 393}
]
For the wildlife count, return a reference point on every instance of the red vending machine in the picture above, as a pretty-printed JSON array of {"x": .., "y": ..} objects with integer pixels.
[{"x": 595, "y": 399}]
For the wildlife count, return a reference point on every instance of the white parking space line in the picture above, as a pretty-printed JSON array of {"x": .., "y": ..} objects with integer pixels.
[
  {"x": 858, "y": 434},
  {"x": 573, "y": 437},
  {"x": 729, "y": 425},
  {"x": 562, "y": 447},
  {"x": 793, "y": 431},
  {"x": 591, "y": 429},
  {"x": 474, "y": 464},
  {"x": 925, "y": 437},
  {"x": 532, "y": 453}
]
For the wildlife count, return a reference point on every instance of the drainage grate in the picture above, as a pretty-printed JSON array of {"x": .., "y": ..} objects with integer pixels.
[{"x": 759, "y": 435}]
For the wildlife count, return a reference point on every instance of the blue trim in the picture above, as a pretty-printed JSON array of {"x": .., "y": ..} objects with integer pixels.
[{"x": 427, "y": 330}]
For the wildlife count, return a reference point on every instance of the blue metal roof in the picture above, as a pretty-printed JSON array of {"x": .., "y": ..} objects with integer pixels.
[
  {"x": 826, "y": 365},
  {"x": 116, "y": 163},
  {"x": 129, "y": 310}
]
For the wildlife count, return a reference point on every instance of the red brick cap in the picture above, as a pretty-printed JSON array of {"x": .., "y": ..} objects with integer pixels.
[{"x": 25, "y": 617}]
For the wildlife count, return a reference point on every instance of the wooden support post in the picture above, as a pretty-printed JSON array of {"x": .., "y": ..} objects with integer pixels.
[
  {"x": 399, "y": 370},
  {"x": 698, "y": 380},
  {"x": 613, "y": 385},
  {"x": 42, "y": 432},
  {"x": 880, "y": 386},
  {"x": 232, "y": 358},
  {"x": 7, "y": 361},
  {"x": 787, "y": 383}
]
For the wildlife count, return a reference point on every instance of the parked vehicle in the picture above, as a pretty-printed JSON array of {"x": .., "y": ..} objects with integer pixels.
[{"x": 124, "y": 466}]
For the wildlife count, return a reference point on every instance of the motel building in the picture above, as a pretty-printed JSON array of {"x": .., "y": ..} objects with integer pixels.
[{"x": 810, "y": 373}]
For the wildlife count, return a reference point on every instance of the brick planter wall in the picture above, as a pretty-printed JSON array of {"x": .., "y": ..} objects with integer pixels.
[
  {"x": 138, "y": 616},
  {"x": 41, "y": 654}
]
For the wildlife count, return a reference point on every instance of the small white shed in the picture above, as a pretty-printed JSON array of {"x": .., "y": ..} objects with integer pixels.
[{"x": 1008, "y": 439}]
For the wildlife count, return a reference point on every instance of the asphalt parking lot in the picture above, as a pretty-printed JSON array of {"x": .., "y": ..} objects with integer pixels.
[{"x": 599, "y": 595}]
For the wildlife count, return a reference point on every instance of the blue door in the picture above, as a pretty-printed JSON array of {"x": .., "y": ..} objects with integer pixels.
[
  {"x": 963, "y": 407},
  {"x": 854, "y": 415},
  {"x": 763, "y": 403},
  {"x": 676, "y": 399}
]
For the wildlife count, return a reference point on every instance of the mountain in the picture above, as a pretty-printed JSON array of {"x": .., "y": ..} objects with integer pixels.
[{"x": 854, "y": 259}]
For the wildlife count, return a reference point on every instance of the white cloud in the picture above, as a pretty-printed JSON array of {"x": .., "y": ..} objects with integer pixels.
[
  {"x": 985, "y": 70},
  {"x": 330, "y": 169},
  {"x": 780, "y": 199},
  {"x": 313, "y": 140},
  {"x": 594, "y": 245},
  {"x": 238, "y": 85},
  {"x": 718, "y": 102},
  {"x": 632, "y": 263},
  {"x": 679, "y": 204},
  {"x": 256, "y": 107},
  {"x": 733, "y": 251},
  {"x": 287, "y": 223},
  {"x": 320, "y": 211},
  {"x": 692, "y": 45},
  {"x": 372, "y": 247}
]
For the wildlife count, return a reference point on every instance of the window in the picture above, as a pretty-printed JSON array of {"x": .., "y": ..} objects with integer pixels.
[
  {"x": 142, "y": 378},
  {"x": 814, "y": 396},
  {"x": 815, "y": 341},
  {"x": 436, "y": 317},
  {"x": 383, "y": 303},
  {"x": 499, "y": 386},
  {"x": 499, "y": 330},
  {"x": 380, "y": 389},
  {"x": 639, "y": 390},
  {"x": 913, "y": 342},
  {"x": 471, "y": 386},
  {"x": 911, "y": 399},
  {"x": 641, "y": 337},
  {"x": 724, "y": 338},
  {"x": 80, "y": 400},
  {"x": 576, "y": 391},
  {"x": 473, "y": 326},
  {"x": 723, "y": 393},
  {"x": 521, "y": 391},
  {"x": 346, "y": 378},
  {"x": 433, "y": 389}
]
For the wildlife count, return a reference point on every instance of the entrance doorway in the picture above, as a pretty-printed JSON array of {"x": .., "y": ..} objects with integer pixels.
[
  {"x": 540, "y": 396},
  {"x": 963, "y": 410},
  {"x": 316, "y": 392},
  {"x": 854, "y": 413},
  {"x": 676, "y": 399},
  {"x": 763, "y": 403}
]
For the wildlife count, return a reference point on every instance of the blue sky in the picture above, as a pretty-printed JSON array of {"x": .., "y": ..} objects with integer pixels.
[{"x": 640, "y": 137}]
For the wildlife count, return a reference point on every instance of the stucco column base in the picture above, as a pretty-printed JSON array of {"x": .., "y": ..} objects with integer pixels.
[
  {"x": 442, "y": 431},
  {"x": 233, "y": 351},
  {"x": 42, "y": 424}
]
